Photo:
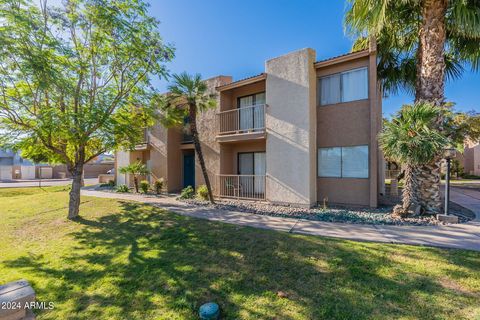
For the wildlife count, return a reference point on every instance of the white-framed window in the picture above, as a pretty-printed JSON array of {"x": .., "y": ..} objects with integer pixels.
[
  {"x": 346, "y": 86},
  {"x": 343, "y": 162}
]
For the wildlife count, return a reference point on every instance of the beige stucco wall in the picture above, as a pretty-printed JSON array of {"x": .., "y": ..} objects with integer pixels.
[
  {"x": 476, "y": 160},
  {"x": 208, "y": 126},
  {"x": 122, "y": 159},
  {"x": 157, "y": 137},
  {"x": 291, "y": 128},
  {"x": 469, "y": 157}
]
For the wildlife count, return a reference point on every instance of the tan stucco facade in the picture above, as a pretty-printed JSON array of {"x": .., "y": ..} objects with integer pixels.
[
  {"x": 295, "y": 127},
  {"x": 471, "y": 158},
  {"x": 349, "y": 124},
  {"x": 291, "y": 127}
]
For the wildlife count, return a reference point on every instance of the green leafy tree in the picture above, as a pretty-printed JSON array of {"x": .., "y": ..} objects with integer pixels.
[
  {"x": 75, "y": 80},
  {"x": 187, "y": 96},
  {"x": 136, "y": 169},
  {"x": 411, "y": 139},
  {"x": 420, "y": 43}
]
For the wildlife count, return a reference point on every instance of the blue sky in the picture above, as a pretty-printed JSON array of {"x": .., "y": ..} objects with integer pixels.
[{"x": 235, "y": 38}]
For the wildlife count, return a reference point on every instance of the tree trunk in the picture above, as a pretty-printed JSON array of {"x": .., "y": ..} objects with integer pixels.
[
  {"x": 409, "y": 193},
  {"x": 430, "y": 88},
  {"x": 429, "y": 178},
  {"x": 135, "y": 182},
  {"x": 410, "y": 189},
  {"x": 198, "y": 149},
  {"x": 431, "y": 65},
  {"x": 74, "y": 202}
]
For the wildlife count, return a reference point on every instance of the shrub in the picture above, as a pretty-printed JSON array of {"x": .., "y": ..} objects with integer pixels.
[
  {"x": 187, "y": 193},
  {"x": 158, "y": 185},
  {"x": 470, "y": 176},
  {"x": 123, "y": 188},
  {"x": 109, "y": 184},
  {"x": 202, "y": 192},
  {"x": 144, "y": 186}
]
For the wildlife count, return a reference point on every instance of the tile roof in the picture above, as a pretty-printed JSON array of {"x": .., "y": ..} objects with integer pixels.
[
  {"x": 244, "y": 79},
  {"x": 342, "y": 55}
]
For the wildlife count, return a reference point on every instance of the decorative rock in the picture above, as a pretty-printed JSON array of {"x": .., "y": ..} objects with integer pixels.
[
  {"x": 380, "y": 216},
  {"x": 209, "y": 311},
  {"x": 447, "y": 218}
]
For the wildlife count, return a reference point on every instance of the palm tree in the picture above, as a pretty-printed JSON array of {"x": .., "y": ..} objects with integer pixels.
[
  {"x": 135, "y": 169},
  {"x": 187, "y": 96},
  {"x": 420, "y": 44},
  {"x": 411, "y": 139}
]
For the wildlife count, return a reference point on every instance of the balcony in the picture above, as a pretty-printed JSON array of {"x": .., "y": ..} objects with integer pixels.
[
  {"x": 145, "y": 143},
  {"x": 242, "y": 123},
  {"x": 248, "y": 187}
]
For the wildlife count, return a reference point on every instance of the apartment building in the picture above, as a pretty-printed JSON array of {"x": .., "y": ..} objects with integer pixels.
[
  {"x": 301, "y": 132},
  {"x": 471, "y": 158},
  {"x": 13, "y": 166}
]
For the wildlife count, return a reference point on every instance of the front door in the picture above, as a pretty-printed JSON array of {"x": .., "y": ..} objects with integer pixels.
[{"x": 189, "y": 170}]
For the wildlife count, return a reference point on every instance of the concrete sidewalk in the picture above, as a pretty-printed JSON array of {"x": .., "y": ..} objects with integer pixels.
[
  {"x": 461, "y": 236},
  {"x": 469, "y": 199}
]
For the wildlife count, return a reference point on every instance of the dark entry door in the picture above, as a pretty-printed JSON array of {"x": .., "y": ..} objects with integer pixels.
[{"x": 189, "y": 170}]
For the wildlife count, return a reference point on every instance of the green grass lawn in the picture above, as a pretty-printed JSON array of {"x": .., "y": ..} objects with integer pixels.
[{"x": 131, "y": 261}]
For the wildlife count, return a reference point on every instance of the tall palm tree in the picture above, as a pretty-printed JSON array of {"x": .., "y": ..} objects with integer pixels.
[
  {"x": 188, "y": 95},
  {"x": 411, "y": 139},
  {"x": 421, "y": 43}
]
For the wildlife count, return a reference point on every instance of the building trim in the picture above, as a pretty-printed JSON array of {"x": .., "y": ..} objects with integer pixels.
[
  {"x": 242, "y": 82},
  {"x": 343, "y": 58}
]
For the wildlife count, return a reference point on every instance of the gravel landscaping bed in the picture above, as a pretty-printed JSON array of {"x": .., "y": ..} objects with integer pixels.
[{"x": 380, "y": 216}]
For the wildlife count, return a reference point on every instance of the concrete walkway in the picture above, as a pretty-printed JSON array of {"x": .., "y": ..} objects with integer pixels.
[
  {"x": 467, "y": 198},
  {"x": 461, "y": 236}
]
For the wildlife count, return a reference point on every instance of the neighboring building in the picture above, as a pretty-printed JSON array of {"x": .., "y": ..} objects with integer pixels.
[
  {"x": 471, "y": 158},
  {"x": 12, "y": 166},
  {"x": 301, "y": 132}
]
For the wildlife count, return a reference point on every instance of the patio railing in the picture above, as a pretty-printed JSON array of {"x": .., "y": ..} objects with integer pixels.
[
  {"x": 250, "y": 187},
  {"x": 242, "y": 120}
]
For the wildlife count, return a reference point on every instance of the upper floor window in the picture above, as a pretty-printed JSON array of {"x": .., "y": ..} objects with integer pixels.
[{"x": 344, "y": 87}]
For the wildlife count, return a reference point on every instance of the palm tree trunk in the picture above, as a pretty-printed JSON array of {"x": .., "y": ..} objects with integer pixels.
[
  {"x": 409, "y": 193},
  {"x": 135, "y": 182},
  {"x": 430, "y": 87},
  {"x": 429, "y": 178},
  {"x": 410, "y": 190},
  {"x": 431, "y": 65},
  {"x": 198, "y": 149}
]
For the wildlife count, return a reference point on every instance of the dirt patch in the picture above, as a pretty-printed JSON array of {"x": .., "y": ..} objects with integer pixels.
[{"x": 457, "y": 288}]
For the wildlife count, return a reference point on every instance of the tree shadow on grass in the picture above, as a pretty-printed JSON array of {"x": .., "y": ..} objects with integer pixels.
[{"x": 144, "y": 262}]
